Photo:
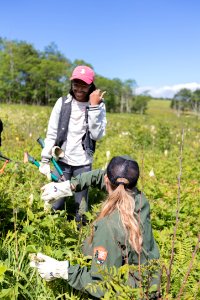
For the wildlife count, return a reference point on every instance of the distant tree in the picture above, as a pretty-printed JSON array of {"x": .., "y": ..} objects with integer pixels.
[
  {"x": 40, "y": 77},
  {"x": 127, "y": 95},
  {"x": 16, "y": 60},
  {"x": 50, "y": 78},
  {"x": 29, "y": 76},
  {"x": 181, "y": 100},
  {"x": 140, "y": 103},
  {"x": 47, "y": 81},
  {"x": 112, "y": 88},
  {"x": 118, "y": 93},
  {"x": 195, "y": 102},
  {"x": 52, "y": 51}
]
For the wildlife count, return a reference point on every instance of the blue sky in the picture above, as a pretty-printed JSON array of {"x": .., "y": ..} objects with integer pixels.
[{"x": 156, "y": 42}]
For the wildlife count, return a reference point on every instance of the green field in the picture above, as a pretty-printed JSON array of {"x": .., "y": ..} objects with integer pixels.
[{"x": 160, "y": 141}]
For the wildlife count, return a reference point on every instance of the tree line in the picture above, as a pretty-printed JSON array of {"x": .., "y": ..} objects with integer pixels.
[
  {"x": 186, "y": 100},
  {"x": 37, "y": 77}
]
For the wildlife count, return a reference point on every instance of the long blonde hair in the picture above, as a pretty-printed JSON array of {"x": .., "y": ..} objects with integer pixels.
[{"x": 122, "y": 200}]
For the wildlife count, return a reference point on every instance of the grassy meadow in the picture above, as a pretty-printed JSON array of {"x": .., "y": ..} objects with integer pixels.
[{"x": 167, "y": 149}]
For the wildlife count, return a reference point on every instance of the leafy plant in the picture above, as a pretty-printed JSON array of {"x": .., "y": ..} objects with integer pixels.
[{"x": 154, "y": 141}]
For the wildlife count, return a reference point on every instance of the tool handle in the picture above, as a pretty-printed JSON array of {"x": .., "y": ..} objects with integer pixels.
[
  {"x": 4, "y": 157},
  {"x": 54, "y": 177},
  {"x": 37, "y": 164},
  {"x": 41, "y": 142},
  {"x": 57, "y": 167}
]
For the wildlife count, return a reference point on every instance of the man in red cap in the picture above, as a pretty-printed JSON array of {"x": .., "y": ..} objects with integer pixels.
[{"x": 77, "y": 121}]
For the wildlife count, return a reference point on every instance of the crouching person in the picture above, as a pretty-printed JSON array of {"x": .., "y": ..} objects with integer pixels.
[{"x": 122, "y": 233}]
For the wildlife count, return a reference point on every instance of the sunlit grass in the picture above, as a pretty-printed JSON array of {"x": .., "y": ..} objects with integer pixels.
[{"x": 153, "y": 140}]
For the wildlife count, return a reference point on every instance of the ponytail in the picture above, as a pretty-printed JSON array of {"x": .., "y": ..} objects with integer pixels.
[{"x": 122, "y": 200}]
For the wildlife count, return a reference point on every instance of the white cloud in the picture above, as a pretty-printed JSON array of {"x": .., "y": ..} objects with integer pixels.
[{"x": 167, "y": 91}]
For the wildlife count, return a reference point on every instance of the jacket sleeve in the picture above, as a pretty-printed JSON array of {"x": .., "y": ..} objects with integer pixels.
[
  {"x": 106, "y": 253},
  {"x": 97, "y": 121},
  {"x": 94, "y": 178},
  {"x": 52, "y": 131}
]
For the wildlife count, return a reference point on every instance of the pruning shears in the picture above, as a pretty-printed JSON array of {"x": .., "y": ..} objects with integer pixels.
[
  {"x": 57, "y": 167},
  {"x": 5, "y": 163},
  {"x": 7, "y": 160},
  {"x": 31, "y": 159}
]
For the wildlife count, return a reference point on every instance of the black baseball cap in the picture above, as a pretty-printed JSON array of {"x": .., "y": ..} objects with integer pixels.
[{"x": 123, "y": 167}]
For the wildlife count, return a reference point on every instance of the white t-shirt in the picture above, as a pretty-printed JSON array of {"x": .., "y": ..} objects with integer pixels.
[{"x": 75, "y": 155}]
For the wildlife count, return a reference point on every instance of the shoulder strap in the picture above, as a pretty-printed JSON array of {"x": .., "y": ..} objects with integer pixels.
[
  {"x": 88, "y": 143},
  {"x": 86, "y": 116}
]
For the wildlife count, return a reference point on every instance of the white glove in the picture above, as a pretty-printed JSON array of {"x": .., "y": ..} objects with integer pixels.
[
  {"x": 56, "y": 190},
  {"x": 44, "y": 168},
  {"x": 50, "y": 268}
]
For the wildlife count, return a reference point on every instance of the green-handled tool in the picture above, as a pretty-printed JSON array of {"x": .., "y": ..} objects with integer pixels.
[
  {"x": 57, "y": 167},
  {"x": 37, "y": 164},
  {"x": 2, "y": 157}
]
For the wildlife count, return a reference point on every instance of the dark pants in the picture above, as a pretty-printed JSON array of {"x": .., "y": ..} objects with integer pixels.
[{"x": 81, "y": 198}]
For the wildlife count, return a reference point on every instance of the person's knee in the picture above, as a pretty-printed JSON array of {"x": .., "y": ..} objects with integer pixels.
[{"x": 59, "y": 205}]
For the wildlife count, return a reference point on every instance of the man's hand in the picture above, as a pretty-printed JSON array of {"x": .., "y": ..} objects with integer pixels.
[
  {"x": 96, "y": 97},
  {"x": 49, "y": 268},
  {"x": 56, "y": 190}
]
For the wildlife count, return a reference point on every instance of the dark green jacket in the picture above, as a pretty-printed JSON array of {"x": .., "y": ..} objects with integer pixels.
[{"x": 109, "y": 235}]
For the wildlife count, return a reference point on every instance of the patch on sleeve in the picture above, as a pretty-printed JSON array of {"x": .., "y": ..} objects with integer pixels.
[{"x": 100, "y": 254}]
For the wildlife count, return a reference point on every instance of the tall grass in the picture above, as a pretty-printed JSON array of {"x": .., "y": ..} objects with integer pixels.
[{"x": 154, "y": 140}]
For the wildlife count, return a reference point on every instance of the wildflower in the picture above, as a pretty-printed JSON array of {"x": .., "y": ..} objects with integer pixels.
[
  {"x": 125, "y": 133},
  {"x": 151, "y": 173},
  {"x": 47, "y": 207},
  {"x": 105, "y": 167},
  {"x": 153, "y": 128},
  {"x": 108, "y": 154},
  {"x": 166, "y": 152},
  {"x": 31, "y": 199}
]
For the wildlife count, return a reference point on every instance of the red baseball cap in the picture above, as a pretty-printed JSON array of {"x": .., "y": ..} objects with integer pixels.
[{"x": 83, "y": 73}]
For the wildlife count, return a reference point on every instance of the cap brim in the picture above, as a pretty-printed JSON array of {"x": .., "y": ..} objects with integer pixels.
[{"x": 86, "y": 80}]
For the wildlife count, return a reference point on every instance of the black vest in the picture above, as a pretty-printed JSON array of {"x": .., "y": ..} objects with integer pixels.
[{"x": 63, "y": 122}]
